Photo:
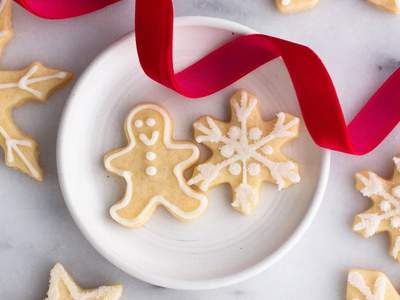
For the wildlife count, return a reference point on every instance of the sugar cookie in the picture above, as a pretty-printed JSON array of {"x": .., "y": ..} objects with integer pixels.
[
  {"x": 63, "y": 287},
  {"x": 392, "y": 6},
  {"x": 35, "y": 82},
  {"x": 369, "y": 285},
  {"x": 384, "y": 215},
  {"x": 246, "y": 152},
  {"x": 152, "y": 165},
  {"x": 292, "y": 6}
]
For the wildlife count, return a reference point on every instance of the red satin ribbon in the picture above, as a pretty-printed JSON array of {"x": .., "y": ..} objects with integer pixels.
[{"x": 314, "y": 88}]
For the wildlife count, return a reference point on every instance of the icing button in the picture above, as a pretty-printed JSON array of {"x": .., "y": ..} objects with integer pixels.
[
  {"x": 151, "y": 156},
  {"x": 151, "y": 171}
]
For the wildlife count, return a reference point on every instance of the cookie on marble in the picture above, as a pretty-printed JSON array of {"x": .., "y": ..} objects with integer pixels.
[
  {"x": 63, "y": 287},
  {"x": 384, "y": 214},
  {"x": 246, "y": 151},
  {"x": 369, "y": 285},
  {"x": 293, "y": 6},
  {"x": 392, "y": 6},
  {"x": 153, "y": 166},
  {"x": 35, "y": 82}
]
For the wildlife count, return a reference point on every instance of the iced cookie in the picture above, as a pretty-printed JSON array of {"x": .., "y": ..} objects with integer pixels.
[
  {"x": 36, "y": 83},
  {"x": 292, "y": 6},
  {"x": 392, "y": 6},
  {"x": 153, "y": 166},
  {"x": 384, "y": 215},
  {"x": 246, "y": 151},
  {"x": 63, "y": 287},
  {"x": 369, "y": 285}
]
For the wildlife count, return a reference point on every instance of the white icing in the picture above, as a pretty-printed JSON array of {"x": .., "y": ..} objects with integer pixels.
[
  {"x": 12, "y": 146},
  {"x": 138, "y": 123},
  {"x": 396, "y": 247},
  {"x": 286, "y": 2},
  {"x": 151, "y": 171},
  {"x": 58, "y": 274},
  {"x": 242, "y": 144},
  {"x": 150, "y": 122},
  {"x": 149, "y": 141},
  {"x": 178, "y": 172},
  {"x": 234, "y": 132},
  {"x": 389, "y": 206},
  {"x": 151, "y": 156},
  {"x": 235, "y": 169},
  {"x": 267, "y": 150},
  {"x": 26, "y": 80},
  {"x": 254, "y": 169},
  {"x": 356, "y": 280},
  {"x": 255, "y": 133}
]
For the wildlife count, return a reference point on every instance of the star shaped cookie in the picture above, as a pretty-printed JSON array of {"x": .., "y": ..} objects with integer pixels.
[
  {"x": 35, "y": 82},
  {"x": 246, "y": 151},
  {"x": 292, "y": 6},
  {"x": 63, "y": 287},
  {"x": 369, "y": 285},
  {"x": 384, "y": 215},
  {"x": 153, "y": 166}
]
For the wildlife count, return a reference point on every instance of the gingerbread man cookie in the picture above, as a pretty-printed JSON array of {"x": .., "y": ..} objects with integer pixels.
[
  {"x": 392, "y": 6},
  {"x": 384, "y": 215},
  {"x": 35, "y": 82},
  {"x": 246, "y": 152},
  {"x": 63, "y": 287},
  {"x": 153, "y": 166},
  {"x": 369, "y": 285},
  {"x": 292, "y": 6}
]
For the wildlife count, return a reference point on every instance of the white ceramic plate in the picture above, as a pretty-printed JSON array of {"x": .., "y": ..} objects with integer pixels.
[{"x": 220, "y": 248}]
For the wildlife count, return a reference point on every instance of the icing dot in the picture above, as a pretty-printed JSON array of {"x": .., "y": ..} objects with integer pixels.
[
  {"x": 285, "y": 2},
  {"x": 234, "y": 132},
  {"x": 150, "y": 122},
  {"x": 139, "y": 123},
  {"x": 255, "y": 133},
  {"x": 396, "y": 191},
  {"x": 151, "y": 171},
  {"x": 235, "y": 169},
  {"x": 385, "y": 206},
  {"x": 227, "y": 151},
  {"x": 267, "y": 150},
  {"x": 254, "y": 169},
  {"x": 395, "y": 222},
  {"x": 151, "y": 155}
]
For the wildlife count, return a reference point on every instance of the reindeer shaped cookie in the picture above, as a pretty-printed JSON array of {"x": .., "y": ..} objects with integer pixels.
[{"x": 152, "y": 165}]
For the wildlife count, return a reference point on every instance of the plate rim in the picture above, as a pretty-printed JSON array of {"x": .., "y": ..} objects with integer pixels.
[{"x": 223, "y": 281}]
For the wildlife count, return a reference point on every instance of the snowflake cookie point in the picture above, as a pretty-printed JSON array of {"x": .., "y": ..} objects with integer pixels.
[
  {"x": 369, "y": 285},
  {"x": 384, "y": 214},
  {"x": 153, "y": 166},
  {"x": 246, "y": 151}
]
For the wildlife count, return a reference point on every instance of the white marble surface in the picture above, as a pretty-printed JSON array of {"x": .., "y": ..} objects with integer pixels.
[{"x": 360, "y": 46}]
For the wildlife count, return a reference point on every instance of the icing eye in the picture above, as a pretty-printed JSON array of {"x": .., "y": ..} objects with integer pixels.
[
  {"x": 150, "y": 122},
  {"x": 138, "y": 123}
]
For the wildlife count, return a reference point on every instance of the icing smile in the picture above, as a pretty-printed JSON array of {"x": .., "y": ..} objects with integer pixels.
[{"x": 149, "y": 141}]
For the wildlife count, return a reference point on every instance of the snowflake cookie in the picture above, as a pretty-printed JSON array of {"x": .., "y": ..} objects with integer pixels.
[
  {"x": 292, "y": 6},
  {"x": 246, "y": 152},
  {"x": 63, "y": 287},
  {"x": 392, "y": 6},
  {"x": 35, "y": 82},
  {"x": 384, "y": 215},
  {"x": 153, "y": 167},
  {"x": 369, "y": 285}
]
